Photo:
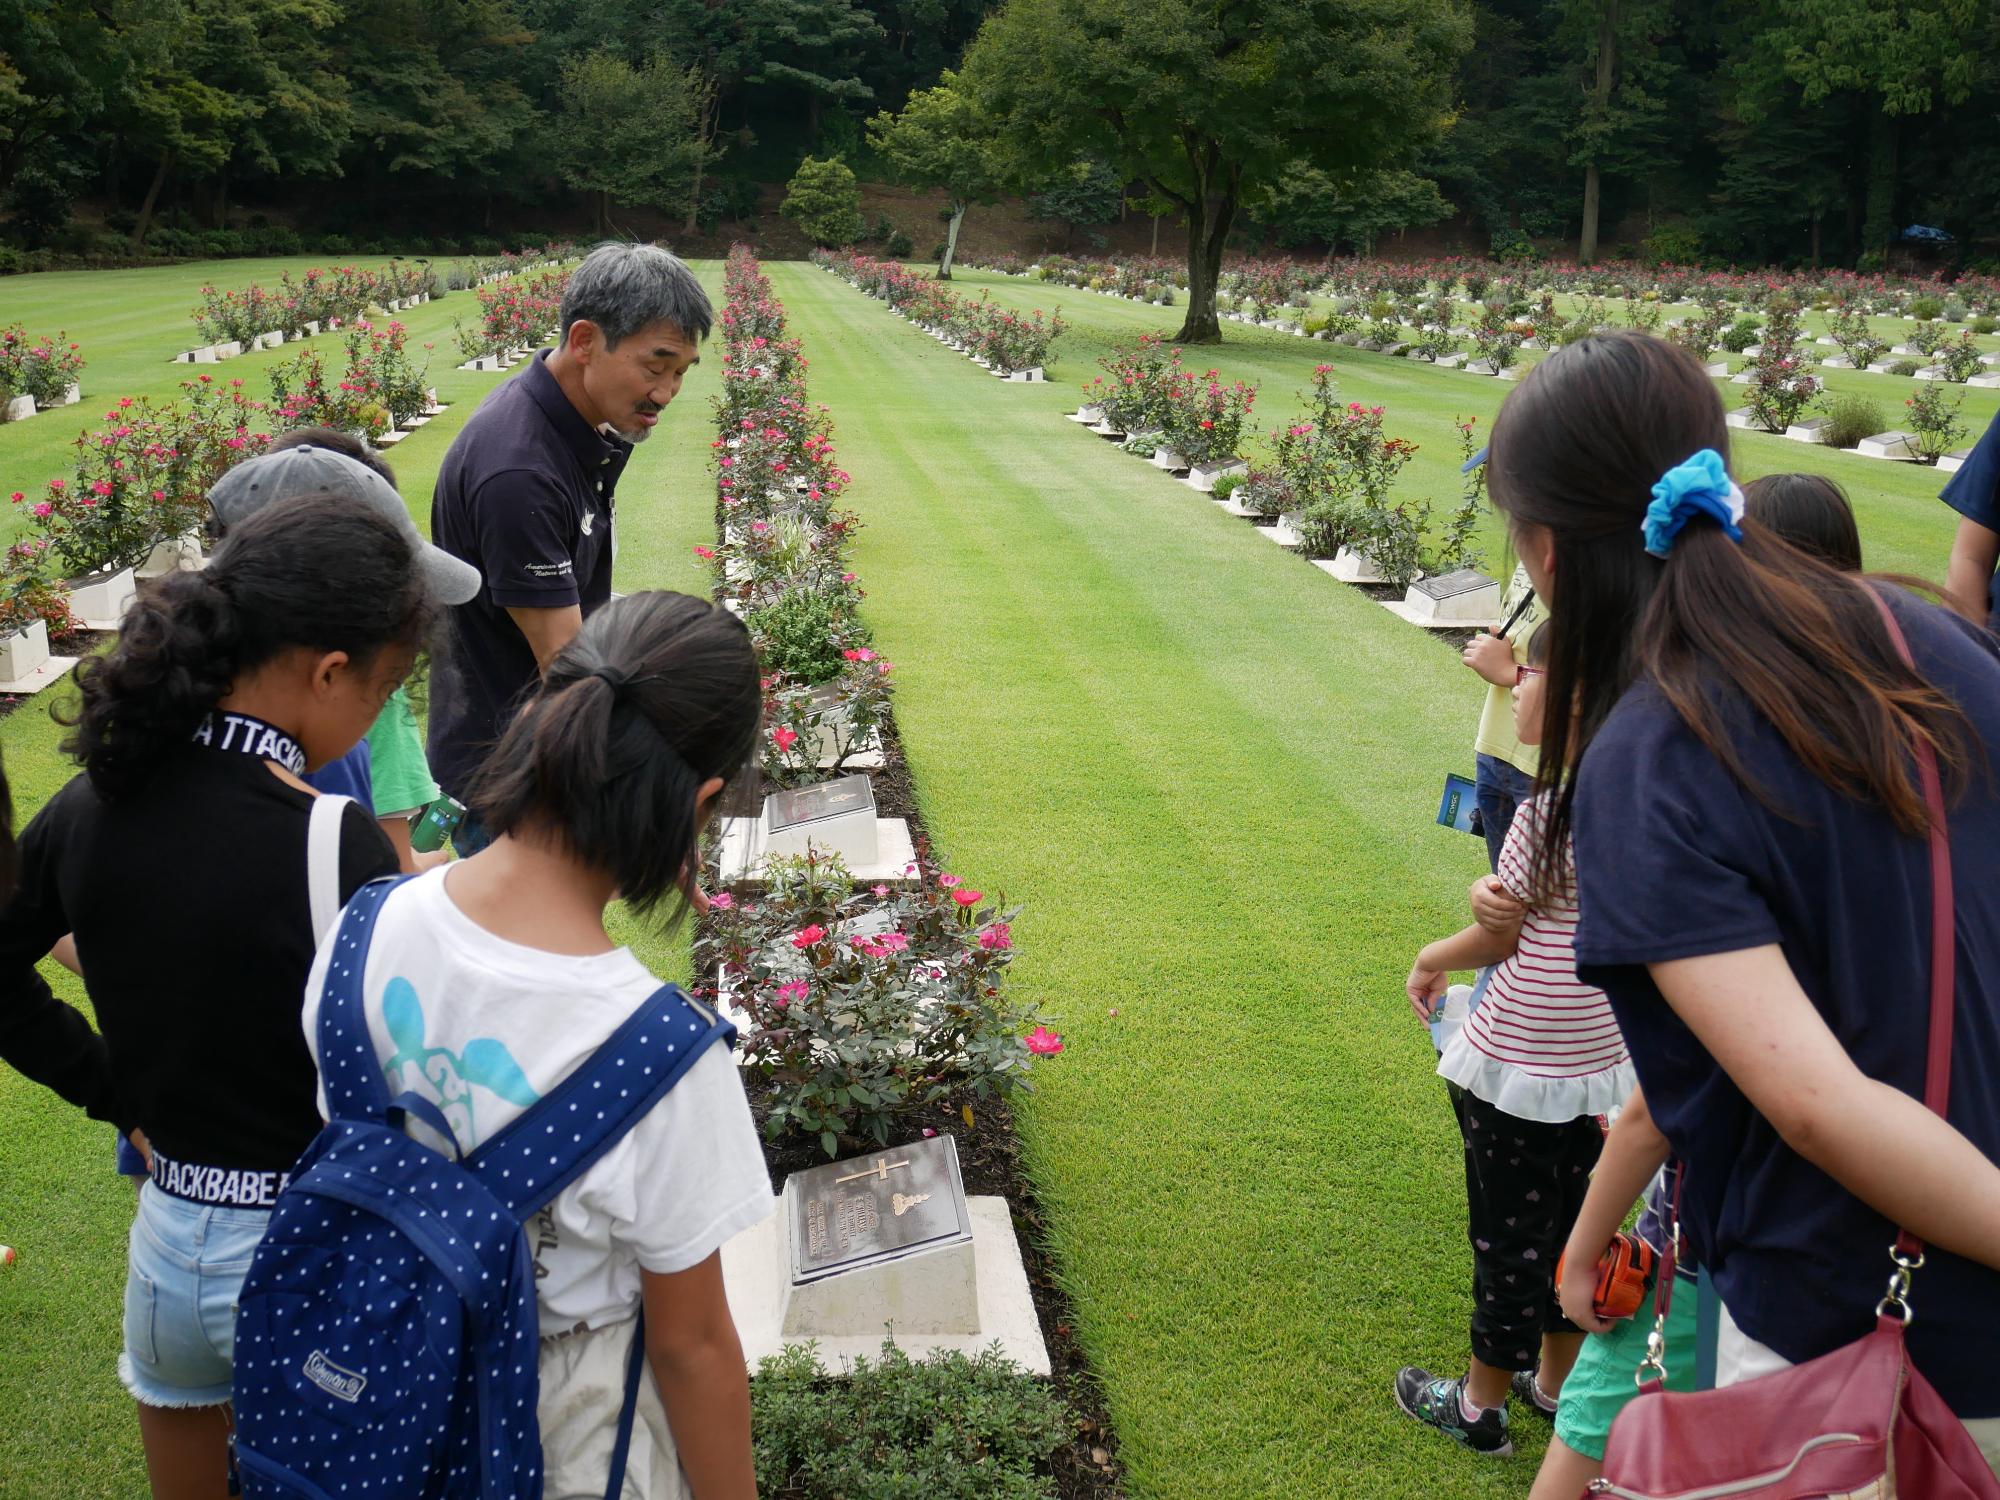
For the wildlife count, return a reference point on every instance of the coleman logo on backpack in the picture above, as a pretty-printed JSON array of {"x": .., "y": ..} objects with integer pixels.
[{"x": 330, "y": 1378}]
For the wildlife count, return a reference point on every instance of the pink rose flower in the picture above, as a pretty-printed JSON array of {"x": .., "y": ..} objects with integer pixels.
[
  {"x": 805, "y": 937},
  {"x": 1044, "y": 1042},
  {"x": 967, "y": 898}
]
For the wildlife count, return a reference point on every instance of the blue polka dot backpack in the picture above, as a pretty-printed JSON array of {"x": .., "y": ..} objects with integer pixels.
[{"x": 387, "y": 1333}]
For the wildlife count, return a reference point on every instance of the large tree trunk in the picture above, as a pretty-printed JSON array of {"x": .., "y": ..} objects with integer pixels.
[
  {"x": 1208, "y": 233},
  {"x": 711, "y": 111},
  {"x": 1600, "y": 102},
  {"x": 951, "y": 240},
  {"x": 152, "y": 197},
  {"x": 1881, "y": 224}
]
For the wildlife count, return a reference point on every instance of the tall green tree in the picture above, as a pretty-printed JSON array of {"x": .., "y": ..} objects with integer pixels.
[
  {"x": 1210, "y": 102},
  {"x": 824, "y": 200},
  {"x": 627, "y": 135},
  {"x": 1902, "y": 58},
  {"x": 436, "y": 90},
  {"x": 1080, "y": 196},
  {"x": 817, "y": 46},
  {"x": 61, "y": 64},
  {"x": 1622, "y": 117},
  {"x": 243, "y": 86},
  {"x": 942, "y": 138},
  {"x": 1309, "y": 205}
]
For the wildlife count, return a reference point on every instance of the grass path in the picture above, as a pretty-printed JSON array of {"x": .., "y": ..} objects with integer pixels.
[{"x": 1208, "y": 770}]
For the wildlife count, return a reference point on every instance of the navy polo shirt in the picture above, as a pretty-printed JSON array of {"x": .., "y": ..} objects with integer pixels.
[
  {"x": 1974, "y": 492},
  {"x": 525, "y": 496},
  {"x": 1677, "y": 859}
]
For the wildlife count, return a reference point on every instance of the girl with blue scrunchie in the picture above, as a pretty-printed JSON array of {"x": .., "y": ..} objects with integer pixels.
[{"x": 1752, "y": 866}]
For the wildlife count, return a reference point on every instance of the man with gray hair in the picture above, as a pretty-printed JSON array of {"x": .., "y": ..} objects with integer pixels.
[{"x": 525, "y": 494}]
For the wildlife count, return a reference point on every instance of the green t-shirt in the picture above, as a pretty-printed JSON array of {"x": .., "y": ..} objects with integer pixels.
[
  {"x": 399, "y": 775},
  {"x": 1496, "y": 719}
]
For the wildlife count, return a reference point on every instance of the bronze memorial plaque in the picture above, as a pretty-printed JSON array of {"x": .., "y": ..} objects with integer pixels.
[
  {"x": 815, "y": 804},
  {"x": 875, "y": 1208},
  {"x": 1450, "y": 585}
]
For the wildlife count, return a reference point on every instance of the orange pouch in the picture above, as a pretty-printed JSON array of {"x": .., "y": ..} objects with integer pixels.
[{"x": 1622, "y": 1277}]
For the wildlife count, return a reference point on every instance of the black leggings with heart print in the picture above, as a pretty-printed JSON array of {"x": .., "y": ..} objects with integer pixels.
[{"x": 1524, "y": 1185}]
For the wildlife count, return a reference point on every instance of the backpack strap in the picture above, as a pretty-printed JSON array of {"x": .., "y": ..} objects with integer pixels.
[
  {"x": 323, "y": 861},
  {"x": 347, "y": 1064},
  {"x": 548, "y": 1146}
]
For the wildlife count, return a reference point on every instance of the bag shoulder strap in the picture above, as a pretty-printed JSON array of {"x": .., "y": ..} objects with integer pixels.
[
  {"x": 1944, "y": 936},
  {"x": 348, "y": 1068},
  {"x": 323, "y": 861},
  {"x": 547, "y": 1147}
]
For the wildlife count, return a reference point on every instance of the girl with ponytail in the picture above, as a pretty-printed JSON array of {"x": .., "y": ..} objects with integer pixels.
[
  {"x": 180, "y": 861},
  {"x": 488, "y": 981},
  {"x": 1752, "y": 864}
]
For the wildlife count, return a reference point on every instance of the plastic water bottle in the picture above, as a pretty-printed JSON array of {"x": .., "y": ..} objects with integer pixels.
[{"x": 436, "y": 823}]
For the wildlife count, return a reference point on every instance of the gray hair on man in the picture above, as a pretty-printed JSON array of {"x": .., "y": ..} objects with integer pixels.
[{"x": 622, "y": 288}]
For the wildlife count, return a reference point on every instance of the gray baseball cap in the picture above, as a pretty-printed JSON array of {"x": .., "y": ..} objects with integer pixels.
[{"x": 307, "y": 470}]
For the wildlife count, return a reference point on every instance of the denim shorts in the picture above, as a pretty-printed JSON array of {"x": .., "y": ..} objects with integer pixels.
[{"x": 186, "y": 1263}]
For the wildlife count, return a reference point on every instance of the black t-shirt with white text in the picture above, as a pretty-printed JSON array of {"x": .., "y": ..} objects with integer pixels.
[
  {"x": 525, "y": 495},
  {"x": 193, "y": 923}
]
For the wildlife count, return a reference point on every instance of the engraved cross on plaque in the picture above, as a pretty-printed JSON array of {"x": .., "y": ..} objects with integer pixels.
[{"x": 880, "y": 1171}]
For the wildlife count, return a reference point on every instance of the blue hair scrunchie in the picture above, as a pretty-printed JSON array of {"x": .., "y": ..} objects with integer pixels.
[{"x": 1699, "y": 487}]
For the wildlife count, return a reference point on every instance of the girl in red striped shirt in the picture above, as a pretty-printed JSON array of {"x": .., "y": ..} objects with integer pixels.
[{"x": 1533, "y": 1068}]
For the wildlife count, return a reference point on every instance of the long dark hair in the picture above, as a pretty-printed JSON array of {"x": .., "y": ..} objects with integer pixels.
[
  {"x": 656, "y": 694},
  {"x": 1811, "y": 512},
  {"x": 314, "y": 571},
  {"x": 1718, "y": 626}
]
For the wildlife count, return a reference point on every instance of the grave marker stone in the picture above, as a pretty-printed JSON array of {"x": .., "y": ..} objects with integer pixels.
[
  {"x": 1461, "y": 598},
  {"x": 848, "y": 1215},
  {"x": 886, "y": 1243},
  {"x": 838, "y": 816}
]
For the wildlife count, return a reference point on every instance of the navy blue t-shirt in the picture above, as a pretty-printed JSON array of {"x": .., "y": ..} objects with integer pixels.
[
  {"x": 1676, "y": 859},
  {"x": 350, "y": 776},
  {"x": 525, "y": 496},
  {"x": 1974, "y": 492}
]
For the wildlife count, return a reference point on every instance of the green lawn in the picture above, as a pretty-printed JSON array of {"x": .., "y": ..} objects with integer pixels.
[
  {"x": 130, "y": 325},
  {"x": 1208, "y": 770}
]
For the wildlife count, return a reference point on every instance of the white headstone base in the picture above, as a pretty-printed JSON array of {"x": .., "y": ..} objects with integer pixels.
[
  {"x": 1887, "y": 445},
  {"x": 742, "y": 854},
  {"x": 99, "y": 603},
  {"x": 983, "y": 1284},
  {"x": 1203, "y": 476},
  {"x": 1350, "y": 567}
]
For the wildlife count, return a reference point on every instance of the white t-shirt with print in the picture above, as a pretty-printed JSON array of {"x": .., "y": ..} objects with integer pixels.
[{"x": 484, "y": 1027}]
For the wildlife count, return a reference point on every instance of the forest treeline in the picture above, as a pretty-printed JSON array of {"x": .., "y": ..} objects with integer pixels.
[{"x": 1781, "y": 131}]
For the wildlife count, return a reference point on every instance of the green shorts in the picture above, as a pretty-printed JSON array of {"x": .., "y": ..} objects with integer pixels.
[{"x": 1602, "y": 1382}]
